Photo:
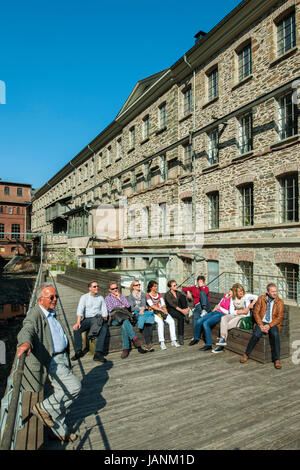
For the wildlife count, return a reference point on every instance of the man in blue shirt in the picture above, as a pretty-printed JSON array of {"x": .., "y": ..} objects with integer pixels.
[{"x": 91, "y": 307}]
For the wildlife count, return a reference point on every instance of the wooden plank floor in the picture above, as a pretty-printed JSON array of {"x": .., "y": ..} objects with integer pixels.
[{"x": 183, "y": 398}]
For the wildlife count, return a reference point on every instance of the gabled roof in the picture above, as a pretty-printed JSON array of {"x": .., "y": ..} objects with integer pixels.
[{"x": 139, "y": 89}]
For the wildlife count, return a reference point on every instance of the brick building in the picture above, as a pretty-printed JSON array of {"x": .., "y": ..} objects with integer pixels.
[
  {"x": 14, "y": 202},
  {"x": 208, "y": 147}
]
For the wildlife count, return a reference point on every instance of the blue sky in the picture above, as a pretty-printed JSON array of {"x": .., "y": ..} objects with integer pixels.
[{"x": 70, "y": 66}]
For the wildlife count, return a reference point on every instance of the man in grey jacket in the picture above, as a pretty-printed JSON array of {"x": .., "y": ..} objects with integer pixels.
[{"x": 43, "y": 339}]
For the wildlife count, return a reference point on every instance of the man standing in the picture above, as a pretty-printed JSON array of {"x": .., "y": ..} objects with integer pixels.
[
  {"x": 117, "y": 300},
  {"x": 268, "y": 315},
  {"x": 90, "y": 311},
  {"x": 45, "y": 343}
]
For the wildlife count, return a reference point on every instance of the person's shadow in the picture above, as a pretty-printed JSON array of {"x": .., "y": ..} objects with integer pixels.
[{"x": 90, "y": 402}]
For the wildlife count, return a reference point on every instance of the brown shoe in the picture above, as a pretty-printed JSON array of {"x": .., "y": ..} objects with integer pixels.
[
  {"x": 278, "y": 364},
  {"x": 125, "y": 353},
  {"x": 137, "y": 343},
  {"x": 42, "y": 415},
  {"x": 244, "y": 358}
]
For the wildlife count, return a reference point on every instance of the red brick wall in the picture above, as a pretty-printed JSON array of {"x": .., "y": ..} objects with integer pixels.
[{"x": 13, "y": 203}]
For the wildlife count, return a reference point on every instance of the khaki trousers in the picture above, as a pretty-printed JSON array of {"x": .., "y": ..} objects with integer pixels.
[{"x": 228, "y": 322}]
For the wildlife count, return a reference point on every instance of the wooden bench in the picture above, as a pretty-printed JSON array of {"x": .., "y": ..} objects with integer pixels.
[{"x": 31, "y": 436}]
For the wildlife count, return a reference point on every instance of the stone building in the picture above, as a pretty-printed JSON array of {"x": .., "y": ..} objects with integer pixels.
[{"x": 199, "y": 170}]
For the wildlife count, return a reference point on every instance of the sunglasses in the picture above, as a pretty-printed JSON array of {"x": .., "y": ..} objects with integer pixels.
[
  {"x": 136, "y": 285},
  {"x": 114, "y": 288},
  {"x": 94, "y": 287},
  {"x": 52, "y": 297}
]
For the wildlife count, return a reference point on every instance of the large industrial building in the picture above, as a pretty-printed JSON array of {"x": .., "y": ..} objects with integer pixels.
[{"x": 199, "y": 171}]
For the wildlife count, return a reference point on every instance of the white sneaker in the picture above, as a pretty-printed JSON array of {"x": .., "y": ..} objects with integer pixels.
[
  {"x": 163, "y": 345},
  {"x": 174, "y": 343},
  {"x": 204, "y": 312}
]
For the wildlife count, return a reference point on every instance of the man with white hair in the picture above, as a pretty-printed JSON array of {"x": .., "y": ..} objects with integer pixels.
[{"x": 43, "y": 340}]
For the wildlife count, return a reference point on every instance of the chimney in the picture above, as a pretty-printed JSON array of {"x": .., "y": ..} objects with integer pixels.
[{"x": 199, "y": 36}]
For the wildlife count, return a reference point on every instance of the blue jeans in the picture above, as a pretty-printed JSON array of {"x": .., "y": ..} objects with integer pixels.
[
  {"x": 127, "y": 332},
  {"x": 206, "y": 323},
  {"x": 204, "y": 304},
  {"x": 274, "y": 341}
]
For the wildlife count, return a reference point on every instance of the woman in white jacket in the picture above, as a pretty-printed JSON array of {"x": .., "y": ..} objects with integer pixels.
[{"x": 240, "y": 306}]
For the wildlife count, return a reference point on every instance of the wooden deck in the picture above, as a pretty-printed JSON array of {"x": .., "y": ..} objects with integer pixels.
[{"x": 183, "y": 399}]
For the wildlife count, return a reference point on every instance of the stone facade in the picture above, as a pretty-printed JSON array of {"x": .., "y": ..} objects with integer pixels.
[{"x": 159, "y": 153}]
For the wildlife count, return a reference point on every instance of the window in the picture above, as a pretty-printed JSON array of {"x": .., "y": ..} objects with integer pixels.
[
  {"x": 6, "y": 190},
  {"x": 108, "y": 156},
  {"x": 286, "y": 34},
  {"x": 287, "y": 117},
  {"x": 188, "y": 157},
  {"x": 10, "y": 210},
  {"x": 289, "y": 198},
  {"x": 291, "y": 283},
  {"x": 132, "y": 138},
  {"x": 2, "y": 230},
  {"x": 163, "y": 116},
  {"x": 245, "y": 134},
  {"x": 163, "y": 168},
  {"x": 213, "y": 210},
  {"x": 119, "y": 149},
  {"x": 1, "y": 209},
  {"x": 18, "y": 210},
  {"x": 15, "y": 228},
  {"x": 100, "y": 162},
  {"x": 19, "y": 191},
  {"x": 246, "y": 271},
  {"x": 246, "y": 193},
  {"x": 213, "y": 85},
  {"x": 245, "y": 62},
  {"x": 146, "y": 127},
  {"x": 187, "y": 101},
  {"x": 163, "y": 218},
  {"x": 187, "y": 219},
  {"x": 213, "y": 147}
]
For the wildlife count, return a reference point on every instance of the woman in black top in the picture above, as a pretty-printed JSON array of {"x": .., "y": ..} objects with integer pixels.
[{"x": 177, "y": 307}]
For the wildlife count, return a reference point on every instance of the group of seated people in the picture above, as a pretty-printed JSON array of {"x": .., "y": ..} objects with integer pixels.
[{"x": 147, "y": 309}]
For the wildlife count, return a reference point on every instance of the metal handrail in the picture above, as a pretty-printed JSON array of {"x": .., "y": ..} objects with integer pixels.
[
  {"x": 281, "y": 281},
  {"x": 11, "y": 403}
]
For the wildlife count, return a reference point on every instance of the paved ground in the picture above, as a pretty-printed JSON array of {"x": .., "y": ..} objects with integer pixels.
[{"x": 183, "y": 398}]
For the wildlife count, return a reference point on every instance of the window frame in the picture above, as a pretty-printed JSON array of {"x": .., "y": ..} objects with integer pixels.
[{"x": 213, "y": 210}]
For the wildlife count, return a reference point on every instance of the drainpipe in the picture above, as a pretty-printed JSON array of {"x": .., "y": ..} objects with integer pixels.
[{"x": 192, "y": 141}]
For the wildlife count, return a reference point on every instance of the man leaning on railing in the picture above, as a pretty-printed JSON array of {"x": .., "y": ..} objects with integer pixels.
[{"x": 43, "y": 340}]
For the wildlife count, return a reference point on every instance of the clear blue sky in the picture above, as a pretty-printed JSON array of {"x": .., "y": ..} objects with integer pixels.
[{"x": 69, "y": 66}]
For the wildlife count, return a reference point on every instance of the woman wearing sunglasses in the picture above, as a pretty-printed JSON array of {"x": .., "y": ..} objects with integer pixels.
[{"x": 145, "y": 317}]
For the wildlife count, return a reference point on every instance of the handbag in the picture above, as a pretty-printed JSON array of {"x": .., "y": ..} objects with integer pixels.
[
  {"x": 246, "y": 323},
  {"x": 161, "y": 315}
]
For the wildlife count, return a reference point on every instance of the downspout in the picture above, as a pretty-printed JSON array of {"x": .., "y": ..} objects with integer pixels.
[{"x": 192, "y": 141}]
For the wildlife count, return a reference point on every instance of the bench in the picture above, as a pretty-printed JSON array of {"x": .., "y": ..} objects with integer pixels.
[{"x": 31, "y": 436}]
